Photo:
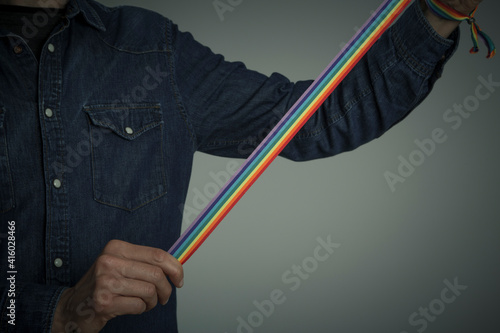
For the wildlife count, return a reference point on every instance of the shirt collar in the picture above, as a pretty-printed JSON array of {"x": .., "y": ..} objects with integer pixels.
[
  {"x": 90, "y": 15},
  {"x": 73, "y": 8}
]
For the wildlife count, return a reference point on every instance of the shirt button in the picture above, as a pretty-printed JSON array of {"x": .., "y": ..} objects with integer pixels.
[
  {"x": 58, "y": 262},
  {"x": 57, "y": 183},
  {"x": 51, "y": 47},
  {"x": 129, "y": 130},
  {"x": 49, "y": 113},
  {"x": 18, "y": 49}
]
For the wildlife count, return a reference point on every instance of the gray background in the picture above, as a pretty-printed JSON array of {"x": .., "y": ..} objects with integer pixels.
[{"x": 398, "y": 247}]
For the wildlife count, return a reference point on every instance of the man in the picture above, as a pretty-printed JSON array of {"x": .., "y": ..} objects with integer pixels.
[{"x": 101, "y": 111}]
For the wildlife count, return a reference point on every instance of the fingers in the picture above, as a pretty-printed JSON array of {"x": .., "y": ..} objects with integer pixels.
[
  {"x": 153, "y": 256},
  {"x": 124, "y": 279},
  {"x": 110, "y": 306},
  {"x": 110, "y": 289},
  {"x": 153, "y": 276},
  {"x": 128, "y": 305},
  {"x": 121, "y": 263}
]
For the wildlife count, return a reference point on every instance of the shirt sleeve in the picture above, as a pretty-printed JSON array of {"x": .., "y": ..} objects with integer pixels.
[
  {"x": 229, "y": 109},
  {"x": 30, "y": 309}
]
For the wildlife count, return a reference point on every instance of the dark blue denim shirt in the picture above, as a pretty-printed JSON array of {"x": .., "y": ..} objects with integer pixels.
[{"x": 97, "y": 139}]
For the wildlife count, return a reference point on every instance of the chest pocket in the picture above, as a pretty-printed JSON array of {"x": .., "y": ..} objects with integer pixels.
[
  {"x": 127, "y": 154},
  {"x": 6, "y": 189}
]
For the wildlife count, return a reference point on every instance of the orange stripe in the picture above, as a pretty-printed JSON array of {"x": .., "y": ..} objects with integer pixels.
[{"x": 296, "y": 127}]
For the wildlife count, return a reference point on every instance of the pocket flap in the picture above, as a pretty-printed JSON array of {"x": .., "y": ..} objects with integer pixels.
[{"x": 127, "y": 120}]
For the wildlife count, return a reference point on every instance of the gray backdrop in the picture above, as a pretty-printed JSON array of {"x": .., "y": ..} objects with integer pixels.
[{"x": 422, "y": 256}]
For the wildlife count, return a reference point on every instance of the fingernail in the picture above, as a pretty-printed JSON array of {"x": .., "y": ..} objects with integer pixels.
[
  {"x": 181, "y": 283},
  {"x": 166, "y": 301}
]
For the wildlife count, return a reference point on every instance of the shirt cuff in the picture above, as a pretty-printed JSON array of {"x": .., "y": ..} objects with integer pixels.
[
  {"x": 421, "y": 47},
  {"x": 34, "y": 309}
]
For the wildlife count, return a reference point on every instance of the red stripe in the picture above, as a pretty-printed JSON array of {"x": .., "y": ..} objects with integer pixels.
[{"x": 277, "y": 150}]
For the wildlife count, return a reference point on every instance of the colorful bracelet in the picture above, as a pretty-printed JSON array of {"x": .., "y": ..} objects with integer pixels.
[{"x": 446, "y": 12}]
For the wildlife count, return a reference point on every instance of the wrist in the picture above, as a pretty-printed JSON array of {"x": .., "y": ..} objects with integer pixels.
[{"x": 441, "y": 25}]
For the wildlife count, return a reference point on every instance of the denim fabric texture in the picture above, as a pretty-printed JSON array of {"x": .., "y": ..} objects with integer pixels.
[{"x": 97, "y": 138}]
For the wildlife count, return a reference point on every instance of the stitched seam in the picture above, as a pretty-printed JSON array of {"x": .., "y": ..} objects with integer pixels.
[
  {"x": 408, "y": 58},
  {"x": 113, "y": 127},
  {"x": 177, "y": 96},
  {"x": 128, "y": 51}
]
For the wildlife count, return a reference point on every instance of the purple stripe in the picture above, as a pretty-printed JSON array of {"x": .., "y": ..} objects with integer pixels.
[{"x": 279, "y": 126}]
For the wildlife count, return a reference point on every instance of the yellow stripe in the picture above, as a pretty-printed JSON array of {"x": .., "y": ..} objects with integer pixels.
[{"x": 284, "y": 136}]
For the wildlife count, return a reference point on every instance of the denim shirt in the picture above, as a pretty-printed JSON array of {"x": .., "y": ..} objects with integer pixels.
[{"x": 97, "y": 139}]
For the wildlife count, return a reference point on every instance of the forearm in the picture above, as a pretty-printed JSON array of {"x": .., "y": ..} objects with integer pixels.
[
  {"x": 234, "y": 107},
  {"x": 389, "y": 82}
]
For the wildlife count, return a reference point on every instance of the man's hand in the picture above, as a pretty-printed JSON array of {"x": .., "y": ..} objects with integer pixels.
[
  {"x": 445, "y": 27},
  {"x": 125, "y": 279}
]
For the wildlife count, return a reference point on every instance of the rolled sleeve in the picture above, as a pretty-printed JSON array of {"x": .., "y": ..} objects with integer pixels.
[
  {"x": 420, "y": 46},
  {"x": 229, "y": 107}
]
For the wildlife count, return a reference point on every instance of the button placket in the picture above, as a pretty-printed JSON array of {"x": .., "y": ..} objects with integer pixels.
[{"x": 54, "y": 153}]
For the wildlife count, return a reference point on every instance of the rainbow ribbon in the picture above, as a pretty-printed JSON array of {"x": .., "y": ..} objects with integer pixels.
[
  {"x": 286, "y": 129},
  {"x": 444, "y": 11}
]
